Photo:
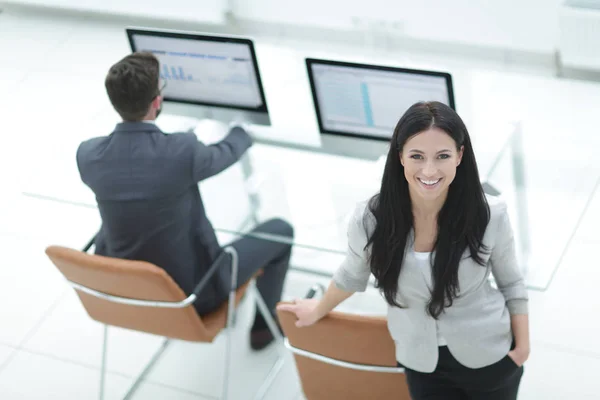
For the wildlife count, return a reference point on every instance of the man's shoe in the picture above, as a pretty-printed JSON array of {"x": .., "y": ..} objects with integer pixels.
[{"x": 260, "y": 339}]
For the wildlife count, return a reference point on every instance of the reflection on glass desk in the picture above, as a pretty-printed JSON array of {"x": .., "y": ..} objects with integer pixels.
[
  {"x": 317, "y": 193},
  {"x": 548, "y": 185}
]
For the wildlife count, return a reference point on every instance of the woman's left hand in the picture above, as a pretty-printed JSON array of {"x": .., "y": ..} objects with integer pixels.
[{"x": 519, "y": 355}]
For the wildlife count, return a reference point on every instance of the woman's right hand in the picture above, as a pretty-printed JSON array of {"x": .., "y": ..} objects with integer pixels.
[{"x": 304, "y": 309}]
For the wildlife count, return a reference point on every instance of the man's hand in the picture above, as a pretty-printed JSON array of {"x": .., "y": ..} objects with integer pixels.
[{"x": 239, "y": 122}]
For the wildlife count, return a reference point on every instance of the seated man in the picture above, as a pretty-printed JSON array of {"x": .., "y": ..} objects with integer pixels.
[{"x": 146, "y": 187}]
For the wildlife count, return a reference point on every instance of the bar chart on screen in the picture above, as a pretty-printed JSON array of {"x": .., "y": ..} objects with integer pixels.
[
  {"x": 207, "y": 76},
  {"x": 175, "y": 72}
]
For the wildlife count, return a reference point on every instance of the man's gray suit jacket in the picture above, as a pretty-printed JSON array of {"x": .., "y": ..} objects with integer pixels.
[{"x": 146, "y": 187}]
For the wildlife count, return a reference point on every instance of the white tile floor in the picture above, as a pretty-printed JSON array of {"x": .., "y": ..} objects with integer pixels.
[{"x": 51, "y": 89}]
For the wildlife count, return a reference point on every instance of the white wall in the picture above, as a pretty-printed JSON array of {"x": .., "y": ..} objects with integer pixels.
[
  {"x": 210, "y": 11},
  {"x": 529, "y": 25},
  {"x": 523, "y": 25}
]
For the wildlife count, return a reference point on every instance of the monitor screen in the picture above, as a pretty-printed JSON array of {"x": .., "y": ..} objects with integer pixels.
[
  {"x": 367, "y": 101},
  {"x": 204, "y": 70}
]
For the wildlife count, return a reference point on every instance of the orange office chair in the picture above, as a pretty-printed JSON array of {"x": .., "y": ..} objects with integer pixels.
[
  {"x": 141, "y": 296},
  {"x": 345, "y": 357}
]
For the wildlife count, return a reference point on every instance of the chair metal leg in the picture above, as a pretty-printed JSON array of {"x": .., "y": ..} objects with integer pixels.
[
  {"x": 103, "y": 366},
  {"x": 147, "y": 368},
  {"x": 228, "y": 343},
  {"x": 278, "y": 365},
  {"x": 267, "y": 314},
  {"x": 230, "y": 320}
]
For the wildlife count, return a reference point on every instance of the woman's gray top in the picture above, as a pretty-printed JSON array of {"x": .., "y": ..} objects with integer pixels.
[{"x": 477, "y": 327}]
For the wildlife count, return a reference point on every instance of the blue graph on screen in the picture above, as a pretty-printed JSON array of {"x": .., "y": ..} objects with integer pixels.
[
  {"x": 364, "y": 89},
  {"x": 170, "y": 72}
]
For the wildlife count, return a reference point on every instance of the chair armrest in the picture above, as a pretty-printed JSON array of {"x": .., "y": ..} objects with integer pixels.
[
  {"x": 211, "y": 271},
  {"x": 317, "y": 287},
  {"x": 89, "y": 244}
]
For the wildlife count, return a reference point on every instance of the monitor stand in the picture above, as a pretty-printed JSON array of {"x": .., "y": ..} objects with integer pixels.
[
  {"x": 354, "y": 147},
  {"x": 186, "y": 114},
  {"x": 177, "y": 117}
]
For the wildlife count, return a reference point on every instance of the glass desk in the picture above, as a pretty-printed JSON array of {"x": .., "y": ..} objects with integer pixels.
[
  {"x": 548, "y": 184},
  {"x": 318, "y": 192}
]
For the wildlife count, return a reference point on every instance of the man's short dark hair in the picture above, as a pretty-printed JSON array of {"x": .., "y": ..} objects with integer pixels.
[{"x": 132, "y": 84}]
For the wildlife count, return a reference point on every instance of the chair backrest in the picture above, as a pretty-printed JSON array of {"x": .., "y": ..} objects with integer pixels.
[
  {"x": 134, "y": 280},
  {"x": 348, "y": 338}
]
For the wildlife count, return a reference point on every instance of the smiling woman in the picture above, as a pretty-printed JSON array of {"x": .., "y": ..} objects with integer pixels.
[
  {"x": 430, "y": 160},
  {"x": 430, "y": 152},
  {"x": 432, "y": 239}
]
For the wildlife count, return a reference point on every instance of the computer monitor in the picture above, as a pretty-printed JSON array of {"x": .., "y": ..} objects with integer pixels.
[
  {"x": 207, "y": 76},
  {"x": 359, "y": 105}
]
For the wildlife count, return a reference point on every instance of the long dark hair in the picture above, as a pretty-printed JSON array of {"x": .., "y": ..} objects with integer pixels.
[{"x": 461, "y": 221}]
